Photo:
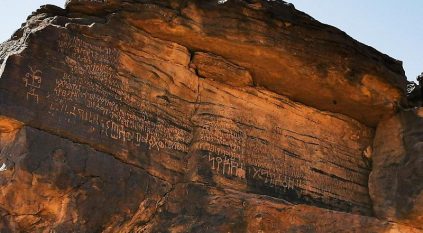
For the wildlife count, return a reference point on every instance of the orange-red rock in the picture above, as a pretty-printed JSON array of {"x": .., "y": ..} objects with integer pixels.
[
  {"x": 194, "y": 116},
  {"x": 396, "y": 182},
  {"x": 285, "y": 50}
]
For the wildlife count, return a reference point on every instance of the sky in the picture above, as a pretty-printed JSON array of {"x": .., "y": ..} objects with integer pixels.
[
  {"x": 393, "y": 27},
  {"x": 14, "y": 12}
]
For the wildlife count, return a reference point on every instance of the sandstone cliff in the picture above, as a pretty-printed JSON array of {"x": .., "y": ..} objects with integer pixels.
[{"x": 194, "y": 116}]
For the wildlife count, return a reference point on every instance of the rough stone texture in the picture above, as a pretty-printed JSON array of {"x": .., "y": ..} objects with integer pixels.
[
  {"x": 218, "y": 69},
  {"x": 285, "y": 50},
  {"x": 55, "y": 184},
  {"x": 64, "y": 186},
  {"x": 229, "y": 211},
  {"x": 396, "y": 182},
  {"x": 191, "y": 116}
]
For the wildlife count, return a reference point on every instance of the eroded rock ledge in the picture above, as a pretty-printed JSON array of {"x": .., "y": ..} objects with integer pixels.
[{"x": 193, "y": 116}]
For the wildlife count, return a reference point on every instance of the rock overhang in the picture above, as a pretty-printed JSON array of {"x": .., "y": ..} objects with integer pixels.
[{"x": 286, "y": 51}]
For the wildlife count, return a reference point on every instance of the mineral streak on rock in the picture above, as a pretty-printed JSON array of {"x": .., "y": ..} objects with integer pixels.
[{"x": 192, "y": 116}]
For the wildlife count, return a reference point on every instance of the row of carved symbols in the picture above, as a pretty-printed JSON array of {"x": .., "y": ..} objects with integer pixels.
[{"x": 227, "y": 166}]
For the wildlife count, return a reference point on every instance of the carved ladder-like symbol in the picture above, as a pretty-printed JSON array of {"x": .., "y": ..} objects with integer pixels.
[{"x": 32, "y": 82}]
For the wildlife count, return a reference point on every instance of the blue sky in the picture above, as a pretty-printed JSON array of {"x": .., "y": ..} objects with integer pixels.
[
  {"x": 391, "y": 26},
  {"x": 14, "y": 12}
]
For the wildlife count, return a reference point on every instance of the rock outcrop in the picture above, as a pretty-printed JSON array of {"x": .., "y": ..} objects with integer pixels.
[
  {"x": 195, "y": 116},
  {"x": 396, "y": 182}
]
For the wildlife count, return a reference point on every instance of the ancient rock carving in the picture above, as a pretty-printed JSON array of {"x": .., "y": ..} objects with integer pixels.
[
  {"x": 32, "y": 82},
  {"x": 189, "y": 116}
]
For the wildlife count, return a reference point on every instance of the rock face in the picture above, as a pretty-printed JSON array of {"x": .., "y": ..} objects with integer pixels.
[
  {"x": 194, "y": 116},
  {"x": 396, "y": 182}
]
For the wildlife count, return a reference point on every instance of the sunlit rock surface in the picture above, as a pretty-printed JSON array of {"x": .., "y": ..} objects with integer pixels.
[
  {"x": 194, "y": 116},
  {"x": 396, "y": 182}
]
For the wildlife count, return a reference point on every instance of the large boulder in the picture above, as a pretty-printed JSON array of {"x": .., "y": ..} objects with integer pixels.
[
  {"x": 285, "y": 50},
  {"x": 190, "y": 116},
  {"x": 396, "y": 181},
  {"x": 53, "y": 184}
]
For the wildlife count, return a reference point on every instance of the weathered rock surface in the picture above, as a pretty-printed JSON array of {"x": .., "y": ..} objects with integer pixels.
[
  {"x": 285, "y": 50},
  {"x": 193, "y": 116},
  {"x": 53, "y": 183},
  {"x": 396, "y": 182},
  {"x": 64, "y": 186}
]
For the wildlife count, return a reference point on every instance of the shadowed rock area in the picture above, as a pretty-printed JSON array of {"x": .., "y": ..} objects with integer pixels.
[{"x": 195, "y": 116}]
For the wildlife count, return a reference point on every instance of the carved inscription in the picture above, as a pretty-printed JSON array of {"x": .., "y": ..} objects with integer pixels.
[
  {"x": 92, "y": 93},
  {"x": 284, "y": 161},
  {"x": 227, "y": 166},
  {"x": 232, "y": 151},
  {"x": 32, "y": 81}
]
